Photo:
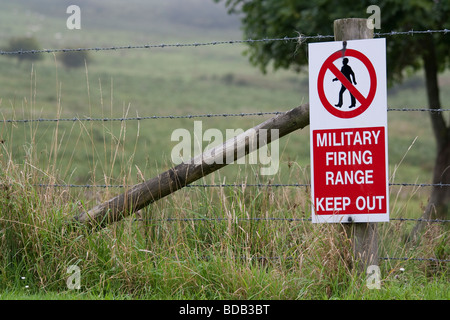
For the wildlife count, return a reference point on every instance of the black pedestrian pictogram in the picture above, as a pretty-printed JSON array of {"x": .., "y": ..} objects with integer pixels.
[{"x": 347, "y": 71}]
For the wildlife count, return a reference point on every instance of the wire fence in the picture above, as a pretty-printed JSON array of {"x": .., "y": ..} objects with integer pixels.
[
  {"x": 221, "y": 219},
  {"x": 299, "y": 40}
]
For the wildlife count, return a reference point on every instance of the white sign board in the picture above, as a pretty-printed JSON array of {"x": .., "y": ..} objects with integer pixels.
[{"x": 348, "y": 125}]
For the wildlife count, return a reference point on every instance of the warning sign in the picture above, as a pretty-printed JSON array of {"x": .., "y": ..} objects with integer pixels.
[
  {"x": 348, "y": 122},
  {"x": 345, "y": 75}
]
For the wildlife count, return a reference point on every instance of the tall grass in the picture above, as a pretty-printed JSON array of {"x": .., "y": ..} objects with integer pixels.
[{"x": 200, "y": 243}]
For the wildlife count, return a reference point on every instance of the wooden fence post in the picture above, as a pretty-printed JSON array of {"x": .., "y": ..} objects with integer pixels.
[{"x": 364, "y": 235}]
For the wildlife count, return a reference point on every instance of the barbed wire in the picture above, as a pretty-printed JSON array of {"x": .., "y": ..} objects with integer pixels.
[
  {"x": 155, "y": 46},
  {"x": 288, "y": 258},
  {"x": 415, "y": 259},
  {"x": 298, "y": 39},
  {"x": 257, "y": 219},
  {"x": 418, "y": 109},
  {"x": 228, "y": 185},
  {"x": 222, "y": 219},
  {"x": 410, "y": 32},
  {"x": 250, "y": 185},
  {"x": 188, "y": 116}
]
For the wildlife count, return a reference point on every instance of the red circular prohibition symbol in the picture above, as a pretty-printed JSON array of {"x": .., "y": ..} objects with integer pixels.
[{"x": 365, "y": 101}]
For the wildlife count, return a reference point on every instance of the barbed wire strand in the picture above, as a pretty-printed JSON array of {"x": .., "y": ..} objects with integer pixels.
[
  {"x": 279, "y": 258},
  {"x": 189, "y": 116},
  {"x": 298, "y": 39},
  {"x": 415, "y": 259},
  {"x": 227, "y": 219},
  {"x": 226, "y": 185}
]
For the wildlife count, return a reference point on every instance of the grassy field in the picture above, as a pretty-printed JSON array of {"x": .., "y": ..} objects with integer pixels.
[{"x": 176, "y": 248}]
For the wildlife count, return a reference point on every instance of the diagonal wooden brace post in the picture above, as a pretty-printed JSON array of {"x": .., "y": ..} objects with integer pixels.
[{"x": 147, "y": 192}]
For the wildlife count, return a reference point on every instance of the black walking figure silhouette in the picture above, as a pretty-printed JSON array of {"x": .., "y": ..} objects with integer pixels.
[{"x": 349, "y": 74}]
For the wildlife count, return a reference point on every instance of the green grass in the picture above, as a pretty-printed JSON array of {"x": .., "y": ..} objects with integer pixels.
[
  {"x": 148, "y": 256},
  {"x": 151, "y": 257}
]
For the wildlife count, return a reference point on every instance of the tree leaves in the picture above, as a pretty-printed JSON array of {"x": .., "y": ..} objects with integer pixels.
[{"x": 280, "y": 18}]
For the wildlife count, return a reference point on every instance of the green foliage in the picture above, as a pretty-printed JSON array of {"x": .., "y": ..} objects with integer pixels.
[
  {"x": 25, "y": 44},
  {"x": 279, "y": 18}
]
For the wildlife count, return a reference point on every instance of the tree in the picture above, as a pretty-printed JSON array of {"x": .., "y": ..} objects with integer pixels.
[
  {"x": 428, "y": 51},
  {"x": 74, "y": 58},
  {"x": 22, "y": 44}
]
